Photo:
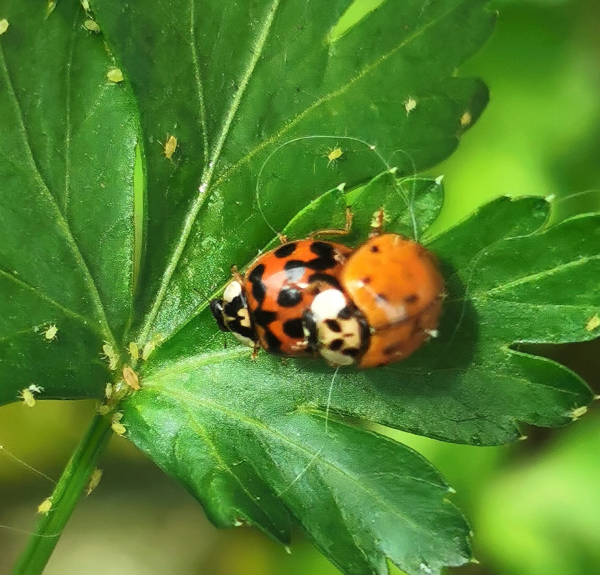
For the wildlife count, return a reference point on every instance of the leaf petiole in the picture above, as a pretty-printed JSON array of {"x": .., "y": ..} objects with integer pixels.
[{"x": 66, "y": 494}]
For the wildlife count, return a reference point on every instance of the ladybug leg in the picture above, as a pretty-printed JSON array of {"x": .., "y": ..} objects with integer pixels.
[
  {"x": 255, "y": 351},
  {"x": 377, "y": 223},
  {"x": 237, "y": 276},
  {"x": 336, "y": 232}
]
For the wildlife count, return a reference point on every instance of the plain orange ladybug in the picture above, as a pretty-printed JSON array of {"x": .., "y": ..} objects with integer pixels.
[{"x": 370, "y": 306}]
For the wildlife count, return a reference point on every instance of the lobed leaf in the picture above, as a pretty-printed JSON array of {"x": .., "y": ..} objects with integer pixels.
[{"x": 279, "y": 124}]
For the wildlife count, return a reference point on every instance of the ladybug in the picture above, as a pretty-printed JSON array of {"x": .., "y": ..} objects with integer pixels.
[
  {"x": 368, "y": 306},
  {"x": 266, "y": 306}
]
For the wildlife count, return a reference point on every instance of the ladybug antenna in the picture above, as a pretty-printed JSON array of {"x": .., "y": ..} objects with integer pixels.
[{"x": 205, "y": 298}]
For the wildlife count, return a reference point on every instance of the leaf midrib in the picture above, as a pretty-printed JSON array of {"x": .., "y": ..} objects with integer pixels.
[{"x": 255, "y": 52}]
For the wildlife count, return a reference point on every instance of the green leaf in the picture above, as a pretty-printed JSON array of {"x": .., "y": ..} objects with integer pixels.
[
  {"x": 274, "y": 117},
  {"x": 242, "y": 434},
  {"x": 66, "y": 203},
  {"x": 360, "y": 497}
]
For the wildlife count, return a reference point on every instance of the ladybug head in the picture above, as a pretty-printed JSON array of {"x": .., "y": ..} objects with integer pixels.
[{"x": 231, "y": 313}]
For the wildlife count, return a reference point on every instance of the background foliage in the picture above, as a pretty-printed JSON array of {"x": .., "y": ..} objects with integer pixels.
[{"x": 546, "y": 146}]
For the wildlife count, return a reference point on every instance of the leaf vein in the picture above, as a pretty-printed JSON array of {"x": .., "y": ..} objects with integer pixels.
[{"x": 209, "y": 170}]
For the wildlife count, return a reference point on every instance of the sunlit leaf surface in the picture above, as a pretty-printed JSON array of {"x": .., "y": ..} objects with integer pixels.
[{"x": 256, "y": 119}]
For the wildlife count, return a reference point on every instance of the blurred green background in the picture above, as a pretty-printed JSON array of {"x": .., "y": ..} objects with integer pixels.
[{"x": 534, "y": 506}]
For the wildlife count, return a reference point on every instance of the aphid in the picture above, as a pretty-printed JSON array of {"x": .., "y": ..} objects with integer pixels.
[
  {"x": 466, "y": 119},
  {"x": 92, "y": 26},
  {"x": 27, "y": 394},
  {"x": 45, "y": 506},
  {"x": 593, "y": 323},
  {"x": 130, "y": 377},
  {"x": 94, "y": 481},
  {"x": 116, "y": 424},
  {"x": 109, "y": 353},
  {"x": 50, "y": 333},
  {"x": 170, "y": 146},
  {"x": 115, "y": 75},
  {"x": 410, "y": 105},
  {"x": 150, "y": 346},
  {"x": 134, "y": 350},
  {"x": 3, "y": 26},
  {"x": 334, "y": 155}
]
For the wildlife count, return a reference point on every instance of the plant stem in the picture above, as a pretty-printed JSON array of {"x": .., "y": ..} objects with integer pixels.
[{"x": 68, "y": 490}]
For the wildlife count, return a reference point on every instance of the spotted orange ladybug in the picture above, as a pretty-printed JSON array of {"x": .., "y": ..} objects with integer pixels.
[
  {"x": 370, "y": 306},
  {"x": 265, "y": 306}
]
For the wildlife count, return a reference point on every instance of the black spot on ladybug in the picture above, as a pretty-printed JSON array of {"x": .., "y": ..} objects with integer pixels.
[
  {"x": 264, "y": 318},
  {"x": 345, "y": 313},
  {"x": 259, "y": 290},
  {"x": 336, "y": 344},
  {"x": 289, "y": 297},
  {"x": 351, "y": 352},
  {"x": 366, "y": 280},
  {"x": 285, "y": 250},
  {"x": 324, "y": 278},
  {"x": 325, "y": 259},
  {"x": 333, "y": 325},
  {"x": 381, "y": 298},
  {"x": 273, "y": 343},
  {"x": 322, "y": 249},
  {"x": 293, "y": 328},
  {"x": 374, "y": 249},
  {"x": 412, "y": 298}
]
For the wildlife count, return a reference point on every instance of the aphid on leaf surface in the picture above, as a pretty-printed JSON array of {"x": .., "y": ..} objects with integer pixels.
[
  {"x": 50, "y": 333},
  {"x": 410, "y": 105},
  {"x": 109, "y": 353},
  {"x": 130, "y": 377},
  {"x": 334, "y": 155},
  {"x": 3, "y": 26},
  {"x": 593, "y": 323},
  {"x": 116, "y": 424},
  {"x": 27, "y": 394},
  {"x": 92, "y": 26},
  {"x": 134, "y": 350},
  {"x": 115, "y": 75},
  {"x": 170, "y": 146}
]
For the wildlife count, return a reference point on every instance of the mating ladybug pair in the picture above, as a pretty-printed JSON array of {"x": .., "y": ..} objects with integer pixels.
[{"x": 371, "y": 306}]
